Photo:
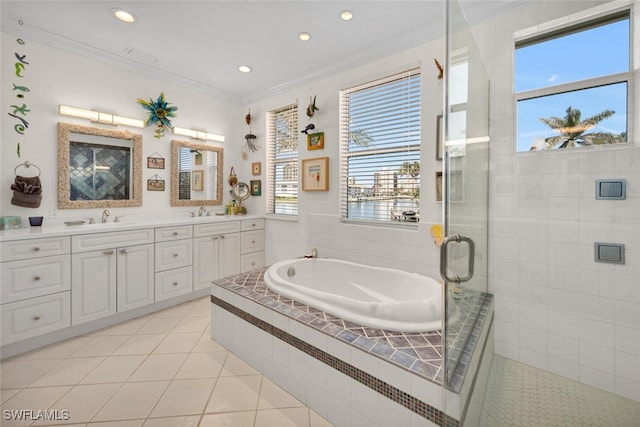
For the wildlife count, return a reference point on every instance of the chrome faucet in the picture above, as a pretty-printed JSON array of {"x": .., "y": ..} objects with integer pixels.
[
  {"x": 314, "y": 253},
  {"x": 202, "y": 210},
  {"x": 105, "y": 215}
]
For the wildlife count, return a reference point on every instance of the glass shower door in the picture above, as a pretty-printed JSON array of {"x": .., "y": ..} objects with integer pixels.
[{"x": 465, "y": 195}]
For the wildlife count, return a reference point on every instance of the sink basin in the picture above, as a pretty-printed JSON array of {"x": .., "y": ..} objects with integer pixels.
[{"x": 107, "y": 224}]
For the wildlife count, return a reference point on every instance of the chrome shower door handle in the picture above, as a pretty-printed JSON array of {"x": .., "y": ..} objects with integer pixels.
[{"x": 444, "y": 258}]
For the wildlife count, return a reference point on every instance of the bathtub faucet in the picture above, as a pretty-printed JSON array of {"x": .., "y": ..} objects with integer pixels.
[{"x": 314, "y": 253}]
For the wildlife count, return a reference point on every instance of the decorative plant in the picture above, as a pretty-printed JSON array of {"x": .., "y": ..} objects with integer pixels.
[
  {"x": 572, "y": 129},
  {"x": 159, "y": 114}
]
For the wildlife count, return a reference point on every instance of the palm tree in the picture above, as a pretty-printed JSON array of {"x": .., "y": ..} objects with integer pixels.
[
  {"x": 572, "y": 129},
  {"x": 408, "y": 168}
]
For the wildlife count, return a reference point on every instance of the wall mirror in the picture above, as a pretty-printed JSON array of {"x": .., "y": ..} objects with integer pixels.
[
  {"x": 196, "y": 174},
  {"x": 98, "y": 168}
]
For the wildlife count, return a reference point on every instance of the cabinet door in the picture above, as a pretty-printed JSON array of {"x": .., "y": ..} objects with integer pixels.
[
  {"x": 135, "y": 277},
  {"x": 93, "y": 285},
  {"x": 229, "y": 257},
  {"x": 205, "y": 265}
]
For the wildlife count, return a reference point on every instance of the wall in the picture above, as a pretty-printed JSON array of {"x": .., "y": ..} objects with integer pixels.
[
  {"x": 556, "y": 308},
  {"x": 318, "y": 223},
  {"x": 57, "y": 77}
]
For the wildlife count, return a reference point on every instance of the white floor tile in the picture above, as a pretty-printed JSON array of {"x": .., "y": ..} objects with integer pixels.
[
  {"x": 184, "y": 397},
  {"x": 178, "y": 343},
  {"x": 192, "y": 324},
  {"x": 206, "y": 343},
  {"x": 101, "y": 346},
  {"x": 82, "y": 402},
  {"x": 114, "y": 369},
  {"x": 234, "y": 366},
  {"x": 287, "y": 417},
  {"x": 202, "y": 365},
  {"x": 158, "y": 367},
  {"x": 68, "y": 372},
  {"x": 139, "y": 344},
  {"x": 187, "y": 421},
  {"x": 119, "y": 423},
  {"x": 24, "y": 372},
  {"x": 132, "y": 401},
  {"x": 272, "y": 396},
  {"x": 59, "y": 350},
  {"x": 8, "y": 394},
  {"x": 235, "y": 394},
  {"x": 37, "y": 398},
  {"x": 162, "y": 325},
  {"x": 229, "y": 419}
]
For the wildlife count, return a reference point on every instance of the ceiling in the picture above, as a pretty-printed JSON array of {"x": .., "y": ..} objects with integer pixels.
[{"x": 200, "y": 44}]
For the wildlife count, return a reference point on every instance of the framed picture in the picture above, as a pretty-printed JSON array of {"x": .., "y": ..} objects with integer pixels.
[
  {"x": 256, "y": 168},
  {"x": 155, "y": 163},
  {"x": 155, "y": 184},
  {"x": 315, "y": 141},
  {"x": 439, "y": 141},
  {"x": 315, "y": 174},
  {"x": 197, "y": 180},
  {"x": 256, "y": 187}
]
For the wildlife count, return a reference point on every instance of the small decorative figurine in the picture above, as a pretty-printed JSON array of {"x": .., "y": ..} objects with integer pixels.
[{"x": 311, "y": 109}]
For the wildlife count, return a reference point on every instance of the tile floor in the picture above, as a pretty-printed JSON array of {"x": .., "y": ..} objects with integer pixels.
[
  {"x": 155, "y": 371},
  {"x": 522, "y": 396}
]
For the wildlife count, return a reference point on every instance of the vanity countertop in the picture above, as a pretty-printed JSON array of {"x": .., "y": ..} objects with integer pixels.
[{"x": 60, "y": 229}]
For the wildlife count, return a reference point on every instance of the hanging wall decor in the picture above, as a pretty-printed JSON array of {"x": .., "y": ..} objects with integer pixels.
[
  {"x": 155, "y": 183},
  {"x": 311, "y": 109},
  {"x": 315, "y": 141},
  {"x": 19, "y": 110},
  {"x": 155, "y": 161},
  {"x": 250, "y": 138},
  {"x": 159, "y": 114}
]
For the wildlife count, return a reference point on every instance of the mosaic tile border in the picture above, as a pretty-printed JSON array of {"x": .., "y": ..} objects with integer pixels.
[
  {"x": 402, "y": 398},
  {"x": 418, "y": 353}
]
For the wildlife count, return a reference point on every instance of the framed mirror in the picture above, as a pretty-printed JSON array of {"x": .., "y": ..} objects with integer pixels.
[
  {"x": 196, "y": 174},
  {"x": 240, "y": 191},
  {"x": 98, "y": 168}
]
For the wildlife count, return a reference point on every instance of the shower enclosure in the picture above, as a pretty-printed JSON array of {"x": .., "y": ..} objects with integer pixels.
[{"x": 463, "y": 258}]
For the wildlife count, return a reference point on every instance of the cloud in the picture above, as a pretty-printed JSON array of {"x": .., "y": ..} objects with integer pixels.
[{"x": 553, "y": 78}]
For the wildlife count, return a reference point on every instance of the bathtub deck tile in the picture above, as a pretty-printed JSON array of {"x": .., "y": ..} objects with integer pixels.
[
  {"x": 382, "y": 350},
  {"x": 331, "y": 329},
  {"x": 402, "y": 359},
  {"x": 347, "y": 336},
  {"x": 363, "y": 343}
]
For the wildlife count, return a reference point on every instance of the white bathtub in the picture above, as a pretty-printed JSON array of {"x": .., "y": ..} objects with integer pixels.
[{"x": 379, "y": 298}]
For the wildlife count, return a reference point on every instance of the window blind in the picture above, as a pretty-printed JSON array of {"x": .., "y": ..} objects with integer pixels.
[
  {"x": 282, "y": 161},
  {"x": 380, "y": 129}
]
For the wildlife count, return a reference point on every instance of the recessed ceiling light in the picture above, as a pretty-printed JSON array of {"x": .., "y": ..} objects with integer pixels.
[
  {"x": 304, "y": 36},
  {"x": 244, "y": 69},
  {"x": 346, "y": 15},
  {"x": 124, "y": 16}
]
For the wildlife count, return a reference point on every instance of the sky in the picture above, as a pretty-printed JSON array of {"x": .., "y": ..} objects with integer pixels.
[{"x": 588, "y": 54}]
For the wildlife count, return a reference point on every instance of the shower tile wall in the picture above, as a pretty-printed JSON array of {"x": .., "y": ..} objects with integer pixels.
[{"x": 556, "y": 308}]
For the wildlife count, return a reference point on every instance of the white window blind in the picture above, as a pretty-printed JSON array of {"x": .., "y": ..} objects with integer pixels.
[
  {"x": 282, "y": 161},
  {"x": 380, "y": 150}
]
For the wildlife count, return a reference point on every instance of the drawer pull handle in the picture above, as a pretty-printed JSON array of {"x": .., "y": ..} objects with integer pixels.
[
  {"x": 36, "y": 249},
  {"x": 175, "y": 255},
  {"x": 36, "y": 278},
  {"x": 36, "y": 317},
  {"x": 109, "y": 252},
  {"x": 222, "y": 237},
  {"x": 215, "y": 238},
  {"x": 253, "y": 264},
  {"x": 253, "y": 242},
  {"x": 253, "y": 224},
  {"x": 175, "y": 233},
  {"x": 123, "y": 251},
  {"x": 175, "y": 283}
]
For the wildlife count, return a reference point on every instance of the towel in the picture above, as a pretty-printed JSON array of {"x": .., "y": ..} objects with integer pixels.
[{"x": 27, "y": 192}]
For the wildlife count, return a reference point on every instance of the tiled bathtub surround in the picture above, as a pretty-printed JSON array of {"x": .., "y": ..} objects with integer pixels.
[{"x": 413, "y": 352}]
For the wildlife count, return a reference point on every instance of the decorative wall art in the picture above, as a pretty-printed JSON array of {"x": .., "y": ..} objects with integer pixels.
[
  {"x": 250, "y": 138},
  {"x": 155, "y": 161},
  {"x": 155, "y": 183},
  {"x": 315, "y": 174},
  {"x": 197, "y": 180},
  {"x": 256, "y": 168},
  {"x": 159, "y": 114},
  {"x": 311, "y": 109},
  {"x": 315, "y": 141},
  {"x": 20, "y": 109},
  {"x": 256, "y": 187}
]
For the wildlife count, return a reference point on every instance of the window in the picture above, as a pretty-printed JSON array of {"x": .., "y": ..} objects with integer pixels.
[
  {"x": 380, "y": 149},
  {"x": 572, "y": 85},
  {"x": 282, "y": 161}
]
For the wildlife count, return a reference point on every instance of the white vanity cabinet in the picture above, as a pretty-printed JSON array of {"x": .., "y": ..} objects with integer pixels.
[
  {"x": 251, "y": 244},
  {"x": 216, "y": 248},
  {"x": 174, "y": 259},
  {"x": 111, "y": 272},
  {"x": 34, "y": 295}
]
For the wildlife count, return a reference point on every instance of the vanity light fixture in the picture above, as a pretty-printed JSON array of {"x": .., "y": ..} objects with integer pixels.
[
  {"x": 98, "y": 117},
  {"x": 304, "y": 36},
  {"x": 198, "y": 134},
  {"x": 244, "y": 69}
]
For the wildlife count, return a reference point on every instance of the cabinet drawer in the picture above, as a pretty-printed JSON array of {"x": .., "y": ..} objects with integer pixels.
[
  {"x": 114, "y": 239},
  {"x": 251, "y": 261},
  {"x": 35, "y": 316},
  {"x": 251, "y": 241},
  {"x": 29, "y": 278},
  {"x": 174, "y": 282},
  {"x": 173, "y": 254},
  {"x": 34, "y": 248},
  {"x": 178, "y": 232},
  {"x": 252, "y": 224},
  {"x": 211, "y": 229}
]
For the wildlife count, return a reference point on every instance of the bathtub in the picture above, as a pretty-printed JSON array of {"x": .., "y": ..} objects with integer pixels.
[{"x": 379, "y": 298}]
